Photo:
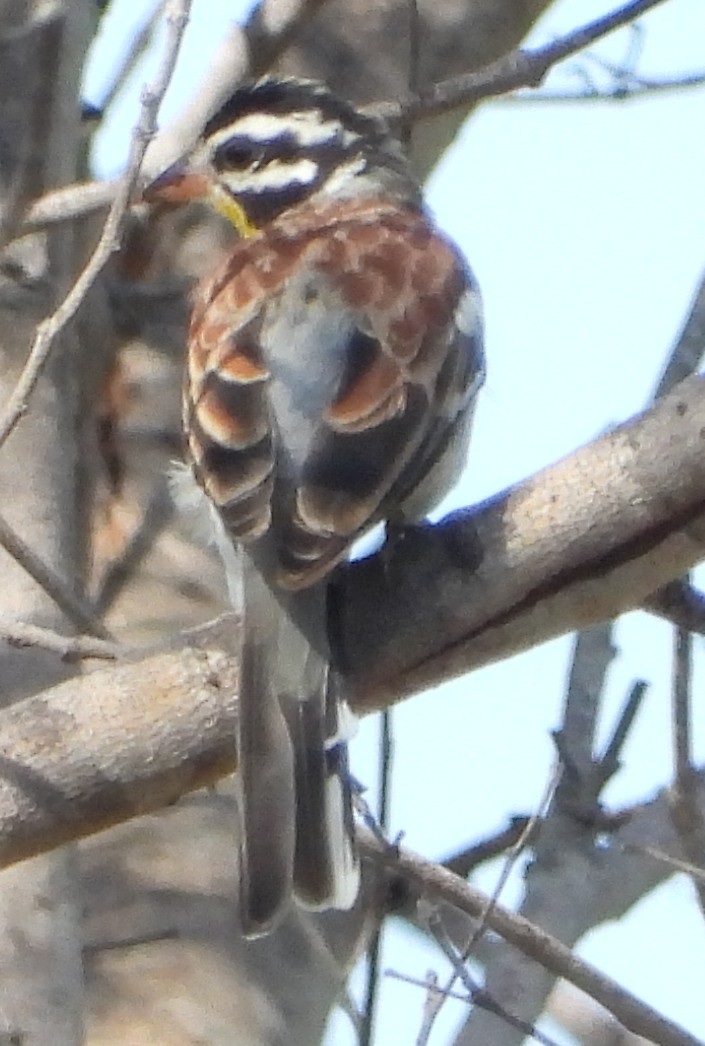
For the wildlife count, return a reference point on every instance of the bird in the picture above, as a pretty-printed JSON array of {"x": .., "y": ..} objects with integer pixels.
[{"x": 334, "y": 359}]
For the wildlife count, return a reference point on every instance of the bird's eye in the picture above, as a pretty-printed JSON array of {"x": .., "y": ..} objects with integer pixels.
[{"x": 238, "y": 156}]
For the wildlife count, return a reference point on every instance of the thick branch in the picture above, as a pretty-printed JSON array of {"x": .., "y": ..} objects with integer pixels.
[
  {"x": 101, "y": 749},
  {"x": 582, "y": 541}
]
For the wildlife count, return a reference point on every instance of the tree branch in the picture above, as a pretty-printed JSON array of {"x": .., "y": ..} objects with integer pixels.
[
  {"x": 103, "y": 748},
  {"x": 49, "y": 329},
  {"x": 580, "y": 542},
  {"x": 437, "y": 883},
  {"x": 521, "y": 68}
]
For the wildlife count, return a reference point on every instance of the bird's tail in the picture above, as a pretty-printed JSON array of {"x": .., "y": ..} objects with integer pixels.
[{"x": 297, "y": 828}]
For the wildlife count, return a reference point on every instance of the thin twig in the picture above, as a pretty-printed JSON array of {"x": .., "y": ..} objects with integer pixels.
[
  {"x": 516, "y": 70},
  {"x": 476, "y": 994},
  {"x": 521, "y": 68},
  {"x": 507, "y": 866},
  {"x": 684, "y": 808},
  {"x": 56, "y": 588},
  {"x": 372, "y": 986},
  {"x": 675, "y": 863},
  {"x": 68, "y": 203},
  {"x": 69, "y": 648},
  {"x": 610, "y": 762},
  {"x": 639, "y": 87},
  {"x": 431, "y": 987},
  {"x": 682, "y": 686},
  {"x": 49, "y": 329},
  {"x": 535, "y": 943},
  {"x": 466, "y": 860}
]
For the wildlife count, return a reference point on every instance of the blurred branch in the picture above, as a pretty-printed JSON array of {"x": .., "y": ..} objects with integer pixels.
[
  {"x": 501, "y": 999},
  {"x": 56, "y": 588},
  {"x": 251, "y": 49},
  {"x": 131, "y": 739},
  {"x": 139, "y": 43},
  {"x": 685, "y": 810},
  {"x": 679, "y": 603},
  {"x": 687, "y": 353},
  {"x": 619, "y": 91},
  {"x": 270, "y": 29},
  {"x": 563, "y": 847},
  {"x": 472, "y": 857},
  {"x": 69, "y": 648},
  {"x": 49, "y": 329},
  {"x": 436, "y": 883},
  {"x": 521, "y": 68},
  {"x": 68, "y": 203},
  {"x": 245, "y": 53}
]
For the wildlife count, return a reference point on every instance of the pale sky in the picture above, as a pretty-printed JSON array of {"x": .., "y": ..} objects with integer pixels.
[{"x": 585, "y": 225}]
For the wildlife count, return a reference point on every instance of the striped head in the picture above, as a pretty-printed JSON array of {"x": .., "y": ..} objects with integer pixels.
[{"x": 279, "y": 143}]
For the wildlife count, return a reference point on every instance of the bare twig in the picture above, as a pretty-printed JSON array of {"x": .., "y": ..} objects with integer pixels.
[
  {"x": 637, "y": 87},
  {"x": 610, "y": 762},
  {"x": 69, "y": 648},
  {"x": 674, "y": 863},
  {"x": 685, "y": 811},
  {"x": 493, "y": 846},
  {"x": 72, "y": 605},
  {"x": 511, "y": 859},
  {"x": 49, "y": 329},
  {"x": 476, "y": 995},
  {"x": 246, "y": 54},
  {"x": 436, "y": 883},
  {"x": 386, "y": 759},
  {"x": 521, "y": 68},
  {"x": 69, "y": 202},
  {"x": 679, "y": 603}
]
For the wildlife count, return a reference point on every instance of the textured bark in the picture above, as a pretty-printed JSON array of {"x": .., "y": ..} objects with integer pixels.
[{"x": 40, "y": 948}]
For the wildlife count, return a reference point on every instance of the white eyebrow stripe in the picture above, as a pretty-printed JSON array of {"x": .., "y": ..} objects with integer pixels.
[
  {"x": 306, "y": 126},
  {"x": 275, "y": 175}
]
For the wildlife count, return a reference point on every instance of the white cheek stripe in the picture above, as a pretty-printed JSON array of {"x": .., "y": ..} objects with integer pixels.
[{"x": 275, "y": 175}]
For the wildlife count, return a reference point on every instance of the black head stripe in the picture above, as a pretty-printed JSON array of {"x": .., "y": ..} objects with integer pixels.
[{"x": 280, "y": 97}]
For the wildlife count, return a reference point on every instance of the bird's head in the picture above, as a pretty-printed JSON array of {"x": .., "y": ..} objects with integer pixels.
[{"x": 279, "y": 143}]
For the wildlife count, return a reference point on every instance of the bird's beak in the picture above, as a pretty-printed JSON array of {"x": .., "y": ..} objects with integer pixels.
[
  {"x": 178, "y": 184},
  {"x": 185, "y": 182}
]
